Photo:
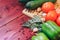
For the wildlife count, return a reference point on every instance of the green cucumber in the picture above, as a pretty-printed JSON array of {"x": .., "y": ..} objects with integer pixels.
[
  {"x": 52, "y": 1},
  {"x": 36, "y": 3},
  {"x": 24, "y": 1},
  {"x": 33, "y": 4}
]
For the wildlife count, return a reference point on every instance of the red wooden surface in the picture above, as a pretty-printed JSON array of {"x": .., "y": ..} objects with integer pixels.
[
  {"x": 11, "y": 19},
  {"x": 9, "y": 10}
]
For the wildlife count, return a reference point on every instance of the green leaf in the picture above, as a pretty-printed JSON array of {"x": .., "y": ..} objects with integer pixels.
[
  {"x": 35, "y": 19},
  {"x": 33, "y": 23},
  {"x": 26, "y": 24}
]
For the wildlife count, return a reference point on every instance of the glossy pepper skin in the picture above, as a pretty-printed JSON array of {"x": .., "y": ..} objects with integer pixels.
[
  {"x": 40, "y": 36},
  {"x": 51, "y": 30},
  {"x": 54, "y": 25}
]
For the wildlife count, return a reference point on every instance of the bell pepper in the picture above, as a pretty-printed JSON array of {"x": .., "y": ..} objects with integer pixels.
[
  {"x": 40, "y": 36},
  {"x": 54, "y": 25},
  {"x": 51, "y": 30}
]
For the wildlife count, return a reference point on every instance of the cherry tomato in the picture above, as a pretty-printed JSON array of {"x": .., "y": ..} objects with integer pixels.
[
  {"x": 58, "y": 11},
  {"x": 58, "y": 21},
  {"x": 52, "y": 15},
  {"x": 48, "y": 6}
]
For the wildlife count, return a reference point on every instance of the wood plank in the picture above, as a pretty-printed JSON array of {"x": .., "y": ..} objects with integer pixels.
[
  {"x": 9, "y": 10},
  {"x": 14, "y": 30},
  {"x": 11, "y": 20},
  {"x": 13, "y": 25}
]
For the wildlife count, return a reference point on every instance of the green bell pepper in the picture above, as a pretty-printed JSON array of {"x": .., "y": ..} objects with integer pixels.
[
  {"x": 40, "y": 36},
  {"x": 51, "y": 30},
  {"x": 54, "y": 25}
]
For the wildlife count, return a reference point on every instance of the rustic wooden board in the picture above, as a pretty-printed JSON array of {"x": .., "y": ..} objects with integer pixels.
[
  {"x": 14, "y": 28},
  {"x": 11, "y": 19},
  {"x": 9, "y": 10}
]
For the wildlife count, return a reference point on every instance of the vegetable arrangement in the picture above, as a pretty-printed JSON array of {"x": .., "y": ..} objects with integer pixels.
[
  {"x": 48, "y": 28},
  {"x": 35, "y": 3},
  {"x": 45, "y": 20}
]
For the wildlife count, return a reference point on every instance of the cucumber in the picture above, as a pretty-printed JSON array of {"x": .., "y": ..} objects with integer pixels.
[
  {"x": 52, "y": 1},
  {"x": 33, "y": 4},
  {"x": 24, "y": 1}
]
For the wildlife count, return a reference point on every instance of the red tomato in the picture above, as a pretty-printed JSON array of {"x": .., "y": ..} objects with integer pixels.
[
  {"x": 58, "y": 21},
  {"x": 48, "y": 6},
  {"x": 58, "y": 11},
  {"x": 52, "y": 15}
]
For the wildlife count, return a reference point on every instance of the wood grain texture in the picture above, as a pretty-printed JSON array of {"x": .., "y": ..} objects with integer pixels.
[
  {"x": 11, "y": 20},
  {"x": 9, "y": 10}
]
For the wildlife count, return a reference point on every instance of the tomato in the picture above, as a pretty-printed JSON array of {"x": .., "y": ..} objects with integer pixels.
[
  {"x": 58, "y": 11},
  {"x": 58, "y": 21},
  {"x": 48, "y": 6},
  {"x": 52, "y": 15}
]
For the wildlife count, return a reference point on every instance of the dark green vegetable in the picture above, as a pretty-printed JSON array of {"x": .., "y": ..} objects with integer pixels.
[
  {"x": 36, "y": 3},
  {"x": 24, "y": 1},
  {"x": 52, "y": 1},
  {"x": 50, "y": 29},
  {"x": 40, "y": 36}
]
